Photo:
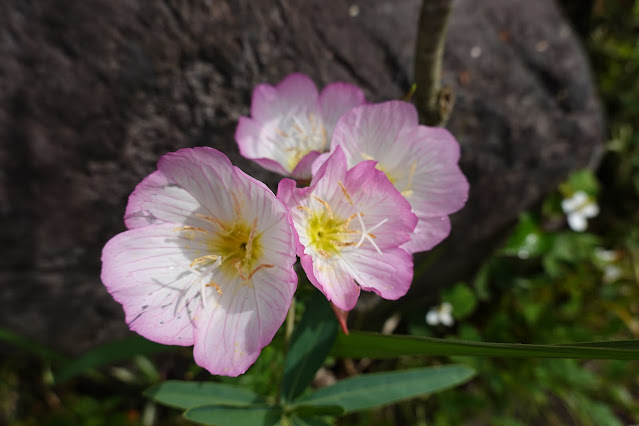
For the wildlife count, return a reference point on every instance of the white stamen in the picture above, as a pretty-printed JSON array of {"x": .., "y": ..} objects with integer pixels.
[
  {"x": 377, "y": 226},
  {"x": 365, "y": 234}
]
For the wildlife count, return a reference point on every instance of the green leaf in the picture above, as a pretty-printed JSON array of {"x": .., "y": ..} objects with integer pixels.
[
  {"x": 377, "y": 389},
  {"x": 224, "y": 415},
  {"x": 462, "y": 298},
  {"x": 305, "y": 411},
  {"x": 187, "y": 395},
  {"x": 373, "y": 345},
  {"x": 582, "y": 180},
  {"x": 311, "y": 343},
  {"x": 304, "y": 421},
  {"x": 527, "y": 240},
  {"x": 112, "y": 352}
]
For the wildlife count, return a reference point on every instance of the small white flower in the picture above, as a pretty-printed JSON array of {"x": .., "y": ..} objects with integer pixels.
[
  {"x": 442, "y": 314},
  {"x": 611, "y": 273},
  {"x": 579, "y": 208},
  {"x": 607, "y": 256}
]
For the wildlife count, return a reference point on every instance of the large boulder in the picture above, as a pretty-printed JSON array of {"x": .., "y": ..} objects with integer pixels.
[{"x": 93, "y": 92}]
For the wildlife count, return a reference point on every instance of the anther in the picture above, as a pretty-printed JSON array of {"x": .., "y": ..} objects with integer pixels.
[
  {"x": 249, "y": 243},
  {"x": 190, "y": 228},
  {"x": 212, "y": 220},
  {"x": 345, "y": 192},
  {"x": 215, "y": 286},
  {"x": 326, "y": 206}
]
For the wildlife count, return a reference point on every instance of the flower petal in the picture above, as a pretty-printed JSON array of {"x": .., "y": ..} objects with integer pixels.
[
  {"x": 324, "y": 183},
  {"x": 369, "y": 129},
  {"x": 434, "y": 184},
  {"x": 389, "y": 275},
  {"x": 332, "y": 279},
  {"x": 294, "y": 92},
  {"x": 577, "y": 222},
  {"x": 336, "y": 99},
  {"x": 243, "y": 321},
  {"x": 143, "y": 270},
  {"x": 156, "y": 200},
  {"x": 188, "y": 182},
  {"x": 429, "y": 232},
  {"x": 372, "y": 193}
]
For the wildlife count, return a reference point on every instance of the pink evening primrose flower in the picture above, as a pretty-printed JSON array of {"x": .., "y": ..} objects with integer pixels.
[
  {"x": 420, "y": 161},
  {"x": 207, "y": 260},
  {"x": 290, "y": 124},
  {"x": 350, "y": 226}
]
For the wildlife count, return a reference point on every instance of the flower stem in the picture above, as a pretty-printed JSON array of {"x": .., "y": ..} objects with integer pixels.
[
  {"x": 433, "y": 103},
  {"x": 290, "y": 322}
]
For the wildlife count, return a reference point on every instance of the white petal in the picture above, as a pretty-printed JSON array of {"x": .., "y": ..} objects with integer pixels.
[
  {"x": 590, "y": 210},
  {"x": 432, "y": 317},
  {"x": 446, "y": 318},
  {"x": 577, "y": 222}
]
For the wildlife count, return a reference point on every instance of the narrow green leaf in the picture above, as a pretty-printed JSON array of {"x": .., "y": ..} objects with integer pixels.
[
  {"x": 112, "y": 352},
  {"x": 632, "y": 345},
  {"x": 305, "y": 411},
  {"x": 306, "y": 421},
  {"x": 373, "y": 345},
  {"x": 30, "y": 346},
  {"x": 310, "y": 344},
  {"x": 377, "y": 389},
  {"x": 187, "y": 395},
  {"x": 224, "y": 415}
]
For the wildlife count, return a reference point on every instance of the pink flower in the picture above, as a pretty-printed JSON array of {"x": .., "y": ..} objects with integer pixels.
[
  {"x": 350, "y": 226},
  {"x": 420, "y": 161},
  {"x": 207, "y": 260},
  {"x": 290, "y": 124}
]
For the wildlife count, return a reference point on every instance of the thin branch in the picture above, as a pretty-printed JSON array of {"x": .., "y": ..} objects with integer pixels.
[{"x": 433, "y": 103}]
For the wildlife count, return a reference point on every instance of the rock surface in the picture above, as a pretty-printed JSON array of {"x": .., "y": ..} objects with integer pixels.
[{"x": 93, "y": 92}]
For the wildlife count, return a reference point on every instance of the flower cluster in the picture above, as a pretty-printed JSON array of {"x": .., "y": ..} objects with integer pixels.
[
  {"x": 208, "y": 256},
  {"x": 578, "y": 209}
]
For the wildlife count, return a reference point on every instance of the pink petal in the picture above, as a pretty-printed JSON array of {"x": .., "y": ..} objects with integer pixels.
[
  {"x": 248, "y": 137},
  {"x": 324, "y": 182},
  {"x": 155, "y": 200},
  {"x": 207, "y": 175},
  {"x": 336, "y": 99},
  {"x": 370, "y": 128},
  {"x": 294, "y": 92},
  {"x": 303, "y": 169},
  {"x": 429, "y": 232},
  {"x": 372, "y": 193},
  {"x": 244, "y": 321},
  {"x": 270, "y": 165},
  {"x": 288, "y": 193},
  {"x": 142, "y": 270},
  {"x": 188, "y": 182},
  {"x": 438, "y": 185},
  {"x": 334, "y": 281},
  {"x": 254, "y": 146},
  {"x": 388, "y": 275}
]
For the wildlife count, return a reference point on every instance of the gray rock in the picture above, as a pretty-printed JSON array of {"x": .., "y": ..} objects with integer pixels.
[{"x": 93, "y": 92}]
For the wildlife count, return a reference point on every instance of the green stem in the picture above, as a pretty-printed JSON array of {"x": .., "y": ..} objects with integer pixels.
[{"x": 433, "y": 103}]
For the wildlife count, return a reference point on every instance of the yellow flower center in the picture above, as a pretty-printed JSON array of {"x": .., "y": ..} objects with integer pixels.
[
  {"x": 235, "y": 250},
  {"x": 239, "y": 246},
  {"x": 327, "y": 233}
]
